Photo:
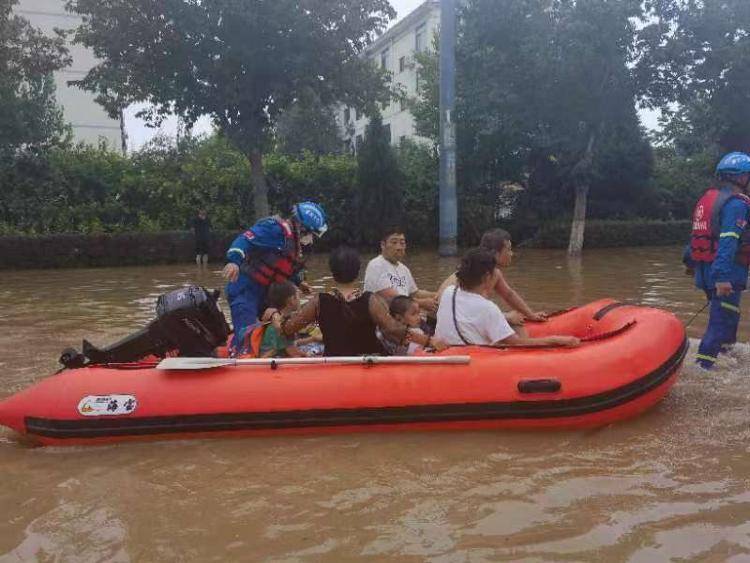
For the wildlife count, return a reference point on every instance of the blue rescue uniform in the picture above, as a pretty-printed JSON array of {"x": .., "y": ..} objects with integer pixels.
[
  {"x": 724, "y": 315},
  {"x": 270, "y": 240}
]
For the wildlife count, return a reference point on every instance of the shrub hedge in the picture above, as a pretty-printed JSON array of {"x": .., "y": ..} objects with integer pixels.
[
  {"x": 130, "y": 249},
  {"x": 606, "y": 234}
]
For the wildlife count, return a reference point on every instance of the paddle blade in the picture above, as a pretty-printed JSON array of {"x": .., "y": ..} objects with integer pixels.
[{"x": 194, "y": 363}]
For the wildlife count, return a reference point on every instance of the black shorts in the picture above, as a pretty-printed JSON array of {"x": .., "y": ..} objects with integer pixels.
[{"x": 201, "y": 247}]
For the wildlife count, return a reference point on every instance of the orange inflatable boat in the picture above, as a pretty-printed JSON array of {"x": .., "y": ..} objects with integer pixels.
[{"x": 629, "y": 359}]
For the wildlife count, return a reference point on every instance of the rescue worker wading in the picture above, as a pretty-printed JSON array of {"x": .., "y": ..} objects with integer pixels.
[
  {"x": 720, "y": 253},
  {"x": 270, "y": 251}
]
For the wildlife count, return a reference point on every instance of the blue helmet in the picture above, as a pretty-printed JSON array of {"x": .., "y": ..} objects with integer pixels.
[
  {"x": 311, "y": 216},
  {"x": 734, "y": 164}
]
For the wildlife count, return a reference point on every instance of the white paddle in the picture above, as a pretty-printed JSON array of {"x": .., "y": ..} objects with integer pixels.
[{"x": 208, "y": 363}]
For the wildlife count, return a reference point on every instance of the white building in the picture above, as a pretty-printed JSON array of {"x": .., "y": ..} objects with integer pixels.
[
  {"x": 394, "y": 51},
  {"x": 90, "y": 122}
]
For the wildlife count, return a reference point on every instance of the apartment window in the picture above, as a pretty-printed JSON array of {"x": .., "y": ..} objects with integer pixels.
[
  {"x": 358, "y": 143},
  {"x": 420, "y": 36},
  {"x": 402, "y": 64},
  {"x": 384, "y": 59},
  {"x": 347, "y": 115}
]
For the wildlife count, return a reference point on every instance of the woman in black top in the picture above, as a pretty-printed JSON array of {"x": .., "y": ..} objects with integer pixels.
[{"x": 348, "y": 317}]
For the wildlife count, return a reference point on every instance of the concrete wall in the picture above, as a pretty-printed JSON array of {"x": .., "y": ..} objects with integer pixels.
[{"x": 90, "y": 122}]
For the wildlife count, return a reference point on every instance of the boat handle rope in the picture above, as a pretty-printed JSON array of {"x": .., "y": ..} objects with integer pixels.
[{"x": 610, "y": 334}]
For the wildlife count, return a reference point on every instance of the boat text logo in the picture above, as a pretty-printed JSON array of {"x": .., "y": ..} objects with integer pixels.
[{"x": 107, "y": 405}]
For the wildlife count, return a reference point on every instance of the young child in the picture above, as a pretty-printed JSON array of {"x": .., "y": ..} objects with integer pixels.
[
  {"x": 406, "y": 310},
  {"x": 281, "y": 301}
]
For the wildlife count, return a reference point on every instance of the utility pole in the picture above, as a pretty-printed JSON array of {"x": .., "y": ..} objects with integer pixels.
[{"x": 448, "y": 207}]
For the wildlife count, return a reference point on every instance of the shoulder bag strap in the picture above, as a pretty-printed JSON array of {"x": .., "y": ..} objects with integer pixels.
[{"x": 455, "y": 320}]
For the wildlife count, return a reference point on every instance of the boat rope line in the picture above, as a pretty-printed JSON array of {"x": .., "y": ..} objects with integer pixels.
[
  {"x": 695, "y": 316},
  {"x": 366, "y": 416},
  {"x": 604, "y": 311}
]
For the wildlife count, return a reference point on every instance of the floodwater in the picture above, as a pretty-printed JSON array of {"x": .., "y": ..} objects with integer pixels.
[{"x": 674, "y": 483}]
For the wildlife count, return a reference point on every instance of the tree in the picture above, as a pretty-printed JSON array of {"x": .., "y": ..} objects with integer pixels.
[
  {"x": 379, "y": 180},
  {"x": 29, "y": 114},
  {"x": 243, "y": 62},
  {"x": 308, "y": 125},
  {"x": 698, "y": 55},
  {"x": 542, "y": 86}
]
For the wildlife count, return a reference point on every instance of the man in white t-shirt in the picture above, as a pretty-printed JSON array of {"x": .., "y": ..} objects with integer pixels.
[
  {"x": 387, "y": 276},
  {"x": 466, "y": 316}
]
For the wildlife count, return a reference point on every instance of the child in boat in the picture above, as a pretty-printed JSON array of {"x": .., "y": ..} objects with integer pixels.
[
  {"x": 282, "y": 301},
  {"x": 406, "y": 310}
]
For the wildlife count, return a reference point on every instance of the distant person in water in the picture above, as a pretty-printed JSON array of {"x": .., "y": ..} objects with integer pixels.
[{"x": 202, "y": 230}]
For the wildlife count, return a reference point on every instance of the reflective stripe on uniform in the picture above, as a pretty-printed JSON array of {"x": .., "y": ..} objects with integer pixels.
[
  {"x": 705, "y": 358},
  {"x": 723, "y": 235},
  {"x": 730, "y": 307},
  {"x": 237, "y": 250}
]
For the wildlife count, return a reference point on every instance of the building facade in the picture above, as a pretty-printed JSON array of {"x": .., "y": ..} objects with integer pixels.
[
  {"x": 394, "y": 51},
  {"x": 90, "y": 122}
]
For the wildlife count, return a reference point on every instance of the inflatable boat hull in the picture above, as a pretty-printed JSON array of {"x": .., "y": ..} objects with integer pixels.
[{"x": 630, "y": 360}]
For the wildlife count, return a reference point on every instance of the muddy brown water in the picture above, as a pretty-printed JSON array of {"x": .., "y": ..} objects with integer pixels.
[{"x": 674, "y": 483}]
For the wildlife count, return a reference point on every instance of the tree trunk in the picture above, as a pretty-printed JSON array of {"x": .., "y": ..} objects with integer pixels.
[
  {"x": 581, "y": 177},
  {"x": 260, "y": 187},
  {"x": 123, "y": 134},
  {"x": 575, "y": 246}
]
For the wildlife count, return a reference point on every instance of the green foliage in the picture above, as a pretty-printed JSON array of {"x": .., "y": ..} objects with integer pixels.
[
  {"x": 546, "y": 98},
  {"x": 329, "y": 180},
  {"x": 242, "y": 62},
  {"x": 308, "y": 125},
  {"x": 611, "y": 234},
  {"x": 425, "y": 107},
  {"x": 698, "y": 54},
  {"x": 419, "y": 167},
  {"x": 679, "y": 181},
  {"x": 87, "y": 189},
  {"x": 29, "y": 115},
  {"x": 379, "y": 179}
]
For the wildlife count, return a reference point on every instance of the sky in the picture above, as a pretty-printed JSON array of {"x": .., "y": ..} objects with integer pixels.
[{"x": 139, "y": 134}]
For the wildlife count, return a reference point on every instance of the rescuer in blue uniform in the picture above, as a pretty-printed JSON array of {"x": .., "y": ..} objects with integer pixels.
[
  {"x": 720, "y": 253},
  {"x": 270, "y": 251}
]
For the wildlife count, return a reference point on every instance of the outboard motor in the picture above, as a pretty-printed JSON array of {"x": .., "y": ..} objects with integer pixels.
[{"x": 188, "y": 321}]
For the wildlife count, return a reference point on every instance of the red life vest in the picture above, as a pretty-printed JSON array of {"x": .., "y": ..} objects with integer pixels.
[
  {"x": 704, "y": 239},
  {"x": 268, "y": 266}
]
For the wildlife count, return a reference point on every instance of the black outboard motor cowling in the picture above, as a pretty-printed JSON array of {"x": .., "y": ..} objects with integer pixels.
[{"x": 188, "y": 320}]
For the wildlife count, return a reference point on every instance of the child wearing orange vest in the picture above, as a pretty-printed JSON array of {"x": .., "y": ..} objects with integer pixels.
[{"x": 270, "y": 342}]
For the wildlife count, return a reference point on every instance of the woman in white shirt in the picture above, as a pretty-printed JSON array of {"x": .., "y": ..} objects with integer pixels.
[{"x": 467, "y": 316}]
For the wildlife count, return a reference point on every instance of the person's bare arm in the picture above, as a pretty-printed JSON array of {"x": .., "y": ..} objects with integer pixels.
[
  {"x": 515, "y": 340},
  {"x": 423, "y": 294},
  {"x": 396, "y": 331},
  {"x": 449, "y": 281},
  {"x": 387, "y": 293},
  {"x": 305, "y": 316},
  {"x": 513, "y": 299}
]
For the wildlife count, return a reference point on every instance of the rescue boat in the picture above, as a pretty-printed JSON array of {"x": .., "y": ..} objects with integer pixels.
[{"x": 629, "y": 359}]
